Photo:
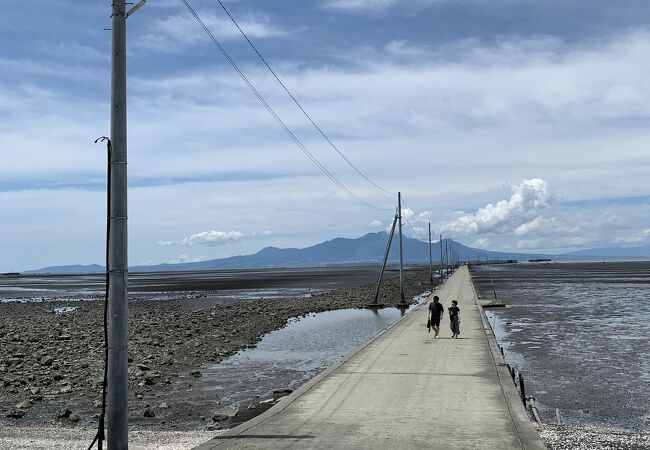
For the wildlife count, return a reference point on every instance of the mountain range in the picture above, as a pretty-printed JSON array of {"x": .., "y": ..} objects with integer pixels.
[{"x": 369, "y": 248}]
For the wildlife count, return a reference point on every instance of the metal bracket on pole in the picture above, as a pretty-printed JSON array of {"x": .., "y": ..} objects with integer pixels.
[{"x": 138, "y": 5}]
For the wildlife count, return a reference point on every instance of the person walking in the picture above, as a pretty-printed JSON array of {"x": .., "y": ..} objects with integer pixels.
[
  {"x": 454, "y": 319},
  {"x": 436, "y": 311}
]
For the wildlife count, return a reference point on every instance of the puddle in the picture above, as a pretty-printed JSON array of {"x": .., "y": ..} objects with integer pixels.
[{"x": 288, "y": 357}]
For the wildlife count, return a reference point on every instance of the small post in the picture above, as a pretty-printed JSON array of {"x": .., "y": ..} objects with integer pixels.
[
  {"x": 522, "y": 388},
  {"x": 401, "y": 253}
]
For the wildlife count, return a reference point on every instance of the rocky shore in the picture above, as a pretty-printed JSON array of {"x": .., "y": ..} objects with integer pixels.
[{"x": 51, "y": 353}]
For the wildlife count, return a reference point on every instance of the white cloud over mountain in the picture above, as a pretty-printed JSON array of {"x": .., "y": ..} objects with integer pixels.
[{"x": 522, "y": 210}]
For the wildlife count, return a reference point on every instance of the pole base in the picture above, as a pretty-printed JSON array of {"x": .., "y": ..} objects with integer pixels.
[
  {"x": 374, "y": 306},
  {"x": 403, "y": 305}
]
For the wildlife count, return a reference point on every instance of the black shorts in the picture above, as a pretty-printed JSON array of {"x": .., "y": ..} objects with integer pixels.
[{"x": 435, "y": 321}]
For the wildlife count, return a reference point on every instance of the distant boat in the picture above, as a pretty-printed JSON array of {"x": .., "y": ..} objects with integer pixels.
[{"x": 540, "y": 260}]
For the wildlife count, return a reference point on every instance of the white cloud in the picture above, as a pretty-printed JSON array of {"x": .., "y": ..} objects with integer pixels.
[
  {"x": 211, "y": 238},
  {"x": 360, "y": 4},
  {"x": 376, "y": 224},
  {"x": 175, "y": 33},
  {"x": 185, "y": 259},
  {"x": 528, "y": 200},
  {"x": 207, "y": 238}
]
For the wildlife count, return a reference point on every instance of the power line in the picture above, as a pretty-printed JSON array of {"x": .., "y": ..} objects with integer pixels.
[
  {"x": 300, "y": 106},
  {"x": 268, "y": 107}
]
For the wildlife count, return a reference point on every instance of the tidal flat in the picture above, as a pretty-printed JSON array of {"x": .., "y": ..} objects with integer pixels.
[
  {"x": 579, "y": 334},
  {"x": 51, "y": 347}
]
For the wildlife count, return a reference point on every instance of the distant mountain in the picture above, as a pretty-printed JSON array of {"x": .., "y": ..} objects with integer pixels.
[
  {"x": 365, "y": 249},
  {"x": 73, "y": 269},
  {"x": 631, "y": 252}
]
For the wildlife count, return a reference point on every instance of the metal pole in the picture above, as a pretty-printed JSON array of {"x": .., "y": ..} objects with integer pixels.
[
  {"x": 383, "y": 266},
  {"x": 401, "y": 253},
  {"x": 430, "y": 259},
  {"x": 117, "y": 408}
]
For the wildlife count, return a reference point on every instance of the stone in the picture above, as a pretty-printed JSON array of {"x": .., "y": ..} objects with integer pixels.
[
  {"x": 148, "y": 412},
  {"x": 75, "y": 418},
  {"x": 46, "y": 361},
  {"x": 63, "y": 413},
  {"x": 214, "y": 427},
  {"x": 143, "y": 367},
  {"x": 163, "y": 405},
  {"x": 23, "y": 405},
  {"x": 15, "y": 414},
  {"x": 220, "y": 417}
]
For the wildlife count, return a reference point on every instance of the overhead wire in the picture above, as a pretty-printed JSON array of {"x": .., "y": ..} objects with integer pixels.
[
  {"x": 299, "y": 105},
  {"x": 277, "y": 118}
]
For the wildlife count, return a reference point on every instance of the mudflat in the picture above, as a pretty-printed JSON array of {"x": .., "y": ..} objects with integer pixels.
[{"x": 51, "y": 351}]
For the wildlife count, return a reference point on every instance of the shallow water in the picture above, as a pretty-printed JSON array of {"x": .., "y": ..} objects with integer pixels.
[
  {"x": 579, "y": 333},
  {"x": 288, "y": 357}
]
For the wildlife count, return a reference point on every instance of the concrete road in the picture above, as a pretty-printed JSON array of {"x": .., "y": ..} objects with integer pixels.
[{"x": 404, "y": 390}]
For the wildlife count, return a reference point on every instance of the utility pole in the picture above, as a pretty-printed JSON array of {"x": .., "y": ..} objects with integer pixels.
[
  {"x": 442, "y": 277},
  {"x": 401, "y": 254},
  {"x": 117, "y": 413},
  {"x": 383, "y": 265},
  {"x": 430, "y": 259}
]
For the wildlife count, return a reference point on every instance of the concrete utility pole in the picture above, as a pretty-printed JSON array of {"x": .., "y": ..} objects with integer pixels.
[
  {"x": 383, "y": 265},
  {"x": 430, "y": 259},
  {"x": 401, "y": 253},
  {"x": 442, "y": 276},
  {"x": 117, "y": 408}
]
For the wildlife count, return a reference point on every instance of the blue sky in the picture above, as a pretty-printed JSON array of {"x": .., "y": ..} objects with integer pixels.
[{"x": 509, "y": 125}]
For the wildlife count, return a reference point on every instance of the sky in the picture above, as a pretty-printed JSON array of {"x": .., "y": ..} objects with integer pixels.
[{"x": 508, "y": 125}]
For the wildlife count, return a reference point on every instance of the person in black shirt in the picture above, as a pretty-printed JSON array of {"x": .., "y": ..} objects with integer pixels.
[
  {"x": 436, "y": 311},
  {"x": 454, "y": 318}
]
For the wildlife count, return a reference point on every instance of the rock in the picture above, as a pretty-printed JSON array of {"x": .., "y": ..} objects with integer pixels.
[
  {"x": 75, "y": 418},
  {"x": 97, "y": 404},
  {"x": 148, "y": 412},
  {"x": 281, "y": 392},
  {"x": 220, "y": 417},
  {"x": 23, "y": 405},
  {"x": 163, "y": 405},
  {"x": 64, "y": 337},
  {"x": 214, "y": 427},
  {"x": 63, "y": 413},
  {"x": 196, "y": 373},
  {"x": 46, "y": 361},
  {"x": 15, "y": 414},
  {"x": 143, "y": 367}
]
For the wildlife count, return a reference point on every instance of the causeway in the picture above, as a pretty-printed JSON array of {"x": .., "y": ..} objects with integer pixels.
[{"x": 404, "y": 390}]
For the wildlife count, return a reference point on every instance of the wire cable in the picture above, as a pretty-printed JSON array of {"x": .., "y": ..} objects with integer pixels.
[
  {"x": 100, "y": 436},
  {"x": 280, "y": 122},
  {"x": 322, "y": 133}
]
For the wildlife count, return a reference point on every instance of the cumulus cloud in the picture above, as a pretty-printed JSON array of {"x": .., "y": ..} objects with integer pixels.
[
  {"x": 521, "y": 210},
  {"x": 207, "y": 238},
  {"x": 376, "y": 224},
  {"x": 185, "y": 259}
]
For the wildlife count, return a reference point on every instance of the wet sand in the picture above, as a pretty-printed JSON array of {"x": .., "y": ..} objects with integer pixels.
[
  {"x": 578, "y": 332},
  {"x": 52, "y": 362}
]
